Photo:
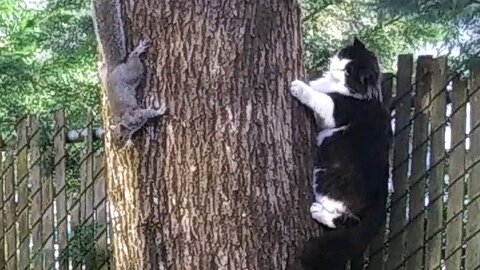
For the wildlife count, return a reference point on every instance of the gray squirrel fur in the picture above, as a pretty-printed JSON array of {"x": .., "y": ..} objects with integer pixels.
[{"x": 120, "y": 75}]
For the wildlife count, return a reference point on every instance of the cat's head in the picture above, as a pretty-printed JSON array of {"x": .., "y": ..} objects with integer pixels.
[{"x": 361, "y": 70}]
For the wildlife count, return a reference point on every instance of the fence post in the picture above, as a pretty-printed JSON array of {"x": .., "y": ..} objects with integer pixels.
[
  {"x": 456, "y": 172},
  {"x": 400, "y": 160},
  {"x": 415, "y": 232},
  {"x": 60, "y": 187},
  {"x": 387, "y": 87},
  {"x": 47, "y": 222},
  {"x": 472, "y": 236},
  {"x": 35, "y": 194},
  {"x": 88, "y": 171},
  {"x": 23, "y": 194},
  {"x": 100, "y": 208},
  {"x": 2, "y": 208},
  {"x": 437, "y": 163},
  {"x": 377, "y": 247},
  {"x": 10, "y": 207}
]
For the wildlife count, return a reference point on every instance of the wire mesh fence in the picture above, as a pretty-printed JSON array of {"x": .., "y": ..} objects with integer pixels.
[{"x": 434, "y": 212}]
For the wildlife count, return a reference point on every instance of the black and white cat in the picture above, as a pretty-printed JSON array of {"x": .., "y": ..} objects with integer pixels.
[{"x": 351, "y": 176}]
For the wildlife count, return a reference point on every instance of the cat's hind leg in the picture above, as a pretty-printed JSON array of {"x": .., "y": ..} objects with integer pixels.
[
  {"x": 347, "y": 220},
  {"x": 326, "y": 210}
]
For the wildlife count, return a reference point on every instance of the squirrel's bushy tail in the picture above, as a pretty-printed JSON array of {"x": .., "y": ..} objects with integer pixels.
[
  {"x": 107, "y": 19},
  {"x": 334, "y": 248}
]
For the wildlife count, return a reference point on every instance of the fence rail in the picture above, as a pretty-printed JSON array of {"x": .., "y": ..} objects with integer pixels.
[{"x": 55, "y": 214}]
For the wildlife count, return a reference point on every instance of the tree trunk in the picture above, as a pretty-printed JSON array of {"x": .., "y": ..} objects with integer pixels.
[{"x": 223, "y": 182}]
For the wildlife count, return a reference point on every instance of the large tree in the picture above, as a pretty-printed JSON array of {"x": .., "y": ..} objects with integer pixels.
[{"x": 223, "y": 181}]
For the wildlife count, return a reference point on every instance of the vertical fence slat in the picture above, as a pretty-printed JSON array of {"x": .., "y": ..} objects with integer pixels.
[
  {"x": 456, "y": 171},
  {"x": 76, "y": 215},
  {"x": 376, "y": 250},
  {"x": 60, "y": 187},
  {"x": 23, "y": 194},
  {"x": 10, "y": 207},
  {"x": 76, "y": 206},
  {"x": 47, "y": 221},
  {"x": 100, "y": 208},
  {"x": 35, "y": 195},
  {"x": 2, "y": 209},
  {"x": 88, "y": 160},
  {"x": 400, "y": 161},
  {"x": 387, "y": 86},
  {"x": 417, "y": 181},
  {"x": 357, "y": 263},
  {"x": 437, "y": 163},
  {"x": 472, "y": 260}
]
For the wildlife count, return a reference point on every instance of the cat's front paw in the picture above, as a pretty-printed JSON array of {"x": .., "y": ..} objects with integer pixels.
[{"x": 297, "y": 88}]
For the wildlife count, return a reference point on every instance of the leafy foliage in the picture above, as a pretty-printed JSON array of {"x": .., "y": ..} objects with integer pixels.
[
  {"x": 330, "y": 23},
  {"x": 82, "y": 248},
  {"x": 461, "y": 17},
  {"x": 47, "y": 58}
]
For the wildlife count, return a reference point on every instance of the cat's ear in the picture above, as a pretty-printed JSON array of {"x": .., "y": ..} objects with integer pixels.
[{"x": 357, "y": 43}]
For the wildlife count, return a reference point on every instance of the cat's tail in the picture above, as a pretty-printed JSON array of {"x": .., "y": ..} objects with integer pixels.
[{"x": 334, "y": 248}]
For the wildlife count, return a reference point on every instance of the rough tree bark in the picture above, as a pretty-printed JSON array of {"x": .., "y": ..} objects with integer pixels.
[{"x": 223, "y": 182}]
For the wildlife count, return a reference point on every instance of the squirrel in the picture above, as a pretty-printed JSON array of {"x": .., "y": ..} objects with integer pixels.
[{"x": 120, "y": 74}]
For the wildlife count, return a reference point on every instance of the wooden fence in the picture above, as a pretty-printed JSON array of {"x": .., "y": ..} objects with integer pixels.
[
  {"x": 54, "y": 210},
  {"x": 434, "y": 212}
]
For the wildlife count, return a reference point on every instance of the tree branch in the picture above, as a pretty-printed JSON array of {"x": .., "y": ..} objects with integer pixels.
[
  {"x": 392, "y": 20},
  {"x": 318, "y": 10}
]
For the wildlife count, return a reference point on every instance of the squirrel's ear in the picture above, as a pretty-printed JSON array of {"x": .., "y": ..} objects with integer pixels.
[{"x": 357, "y": 43}]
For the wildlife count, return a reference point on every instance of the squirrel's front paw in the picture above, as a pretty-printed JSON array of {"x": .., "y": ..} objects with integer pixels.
[
  {"x": 162, "y": 110},
  {"x": 297, "y": 87},
  {"x": 142, "y": 46}
]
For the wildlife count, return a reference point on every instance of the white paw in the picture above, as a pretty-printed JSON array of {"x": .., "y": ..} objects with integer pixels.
[
  {"x": 316, "y": 208},
  {"x": 297, "y": 88},
  {"x": 320, "y": 214}
]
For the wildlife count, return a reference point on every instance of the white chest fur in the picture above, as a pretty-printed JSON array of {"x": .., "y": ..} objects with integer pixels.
[{"x": 322, "y": 135}]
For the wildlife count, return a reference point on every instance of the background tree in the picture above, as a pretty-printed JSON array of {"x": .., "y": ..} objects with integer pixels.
[{"x": 223, "y": 182}]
